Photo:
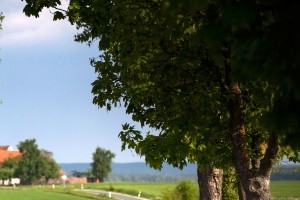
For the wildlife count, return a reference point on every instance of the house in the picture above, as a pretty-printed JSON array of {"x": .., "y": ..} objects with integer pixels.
[
  {"x": 7, "y": 152},
  {"x": 6, "y": 148}
]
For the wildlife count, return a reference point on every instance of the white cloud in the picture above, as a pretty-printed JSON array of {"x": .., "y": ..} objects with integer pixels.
[{"x": 19, "y": 29}]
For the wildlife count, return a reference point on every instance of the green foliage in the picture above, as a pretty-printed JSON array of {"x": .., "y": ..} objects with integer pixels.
[
  {"x": 208, "y": 77},
  {"x": 101, "y": 165},
  {"x": 168, "y": 194},
  {"x": 6, "y": 173},
  {"x": 1, "y": 19},
  {"x": 28, "y": 168},
  {"x": 150, "y": 177},
  {"x": 11, "y": 163},
  {"x": 230, "y": 185},
  {"x": 80, "y": 174},
  {"x": 34, "y": 163},
  {"x": 185, "y": 190}
]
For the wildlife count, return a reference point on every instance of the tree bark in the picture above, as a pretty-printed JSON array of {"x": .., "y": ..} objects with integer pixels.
[
  {"x": 254, "y": 174},
  {"x": 241, "y": 191},
  {"x": 210, "y": 183}
]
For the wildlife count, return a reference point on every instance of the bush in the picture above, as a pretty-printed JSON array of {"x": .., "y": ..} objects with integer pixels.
[
  {"x": 168, "y": 194},
  {"x": 230, "y": 185},
  {"x": 185, "y": 190}
]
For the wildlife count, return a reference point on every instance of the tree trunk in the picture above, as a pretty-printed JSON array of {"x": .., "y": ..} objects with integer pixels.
[
  {"x": 257, "y": 187},
  {"x": 210, "y": 183},
  {"x": 254, "y": 173},
  {"x": 241, "y": 191}
]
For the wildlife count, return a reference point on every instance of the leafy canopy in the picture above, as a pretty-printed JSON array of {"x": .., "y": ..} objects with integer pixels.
[
  {"x": 101, "y": 165},
  {"x": 157, "y": 71},
  {"x": 35, "y": 163}
]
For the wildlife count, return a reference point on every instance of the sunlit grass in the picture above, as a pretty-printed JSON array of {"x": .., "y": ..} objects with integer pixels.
[
  {"x": 45, "y": 193},
  {"x": 279, "y": 189},
  {"x": 285, "y": 189},
  {"x": 147, "y": 189}
]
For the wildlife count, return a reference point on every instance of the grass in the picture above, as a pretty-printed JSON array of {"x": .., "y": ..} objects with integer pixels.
[
  {"x": 280, "y": 190},
  {"x": 32, "y": 193},
  {"x": 147, "y": 189},
  {"x": 285, "y": 189}
]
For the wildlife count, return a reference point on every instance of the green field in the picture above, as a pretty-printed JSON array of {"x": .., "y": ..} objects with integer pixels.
[
  {"x": 148, "y": 189},
  {"x": 285, "y": 189},
  {"x": 32, "y": 193},
  {"x": 280, "y": 190}
]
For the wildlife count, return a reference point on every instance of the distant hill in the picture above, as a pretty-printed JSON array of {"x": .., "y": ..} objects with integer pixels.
[
  {"x": 132, "y": 168},
  {"x": 139, "y": 171}
]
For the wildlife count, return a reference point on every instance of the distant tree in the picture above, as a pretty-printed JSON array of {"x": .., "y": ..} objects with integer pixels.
[
  {"x": 50, "y": 169},
  {"x": 6, "y": 174},
  {"x": 34, "y": 163},
  {"x": 11, "y": 163},
  {"x": 28, "y": 167},
  {"x": 101, "y": 165},
  {"x": 1, "y": 19},
  {"x": 79, "y": 174}
]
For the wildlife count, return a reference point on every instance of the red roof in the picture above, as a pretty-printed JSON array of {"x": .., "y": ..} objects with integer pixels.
[
  {"x": 4, "y": 155},
  {"x": 4, "y": 147}
]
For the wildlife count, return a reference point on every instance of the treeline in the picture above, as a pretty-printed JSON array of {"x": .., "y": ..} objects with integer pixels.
[
  {"x": 150, "y": 177},
  {"x": 281, "y": 172},
  {"x": 286, "y": 173}
]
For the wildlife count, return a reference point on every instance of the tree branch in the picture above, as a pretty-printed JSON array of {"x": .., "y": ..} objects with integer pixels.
[{"x": 270, "y": 155}]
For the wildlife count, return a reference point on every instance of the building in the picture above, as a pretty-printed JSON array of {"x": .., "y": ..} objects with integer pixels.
[{"x": 7, "y": 152}]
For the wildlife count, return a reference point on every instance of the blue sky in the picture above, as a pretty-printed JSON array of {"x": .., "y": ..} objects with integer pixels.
[{"x": 45, "y": 88}]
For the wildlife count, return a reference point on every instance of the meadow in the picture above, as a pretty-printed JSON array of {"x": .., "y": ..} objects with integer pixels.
[
  {"x": 32, "y": 193},
  {"x": 281, "y": 190}
]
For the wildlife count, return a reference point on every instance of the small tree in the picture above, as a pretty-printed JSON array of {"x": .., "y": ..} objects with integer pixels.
[
  {"x": 28, "y": 167},
  {"x": 34, "y": 163},
  {"x": 49, "y": 165},
  {"x": 101, "y": 165},
  {"x": 5, "y": 174},
  {"x": 185, "y": 190}
]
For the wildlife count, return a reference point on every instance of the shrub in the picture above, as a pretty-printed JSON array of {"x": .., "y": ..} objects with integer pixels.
[{"x": 185, "y": 190}]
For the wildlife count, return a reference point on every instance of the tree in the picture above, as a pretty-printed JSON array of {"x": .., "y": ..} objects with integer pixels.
[
  {"x": 80, "y": 174},
  {"x": 173, "y": 85},
  {"x": 28, "y": 168},
  {"x": 8, "y": 168},
  {"x": 50, "y": 169},
  {"x": 1, "y": 19},
  {"x": 101, "y": 165},
  {"x": 213, "y": 60},
  {"x": 34, "y": 163},
  {"x": 182, "y": 133},
  {"x": 5, "y": 174}
]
